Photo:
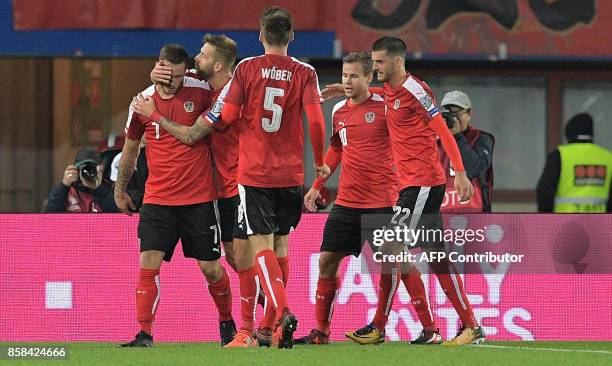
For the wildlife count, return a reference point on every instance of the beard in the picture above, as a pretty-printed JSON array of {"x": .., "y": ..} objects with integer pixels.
[
  {"x": 204, "y": 73},
  {"x": 382, "y": 78}
]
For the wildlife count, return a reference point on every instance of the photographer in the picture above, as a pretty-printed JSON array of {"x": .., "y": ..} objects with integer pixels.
[
  {"x": 81, "y": 189},
  {"x": 476, "y": 147}
]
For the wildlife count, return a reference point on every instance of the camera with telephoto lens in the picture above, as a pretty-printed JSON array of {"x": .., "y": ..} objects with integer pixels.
[
  {"x": 449, "y": 116},
  {"x": 88, "y": 170}
]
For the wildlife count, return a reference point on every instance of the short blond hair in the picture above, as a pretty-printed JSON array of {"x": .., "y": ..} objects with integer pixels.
[{"x": 225, "y": 48}]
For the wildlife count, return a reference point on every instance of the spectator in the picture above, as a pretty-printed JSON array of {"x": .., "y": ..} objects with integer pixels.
[
  {"x": 576, "y": 177},
  {"x": 476, "y": 148},
  {"x": 81, "y": 189}
]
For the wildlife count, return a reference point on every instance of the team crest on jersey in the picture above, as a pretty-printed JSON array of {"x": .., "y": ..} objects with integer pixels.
[
  {"x": 370, "y": 116},
  {"x": 396, "y": 104},
  {"x": 188, "y": 106},
  {"x": 426, "y": 101}
]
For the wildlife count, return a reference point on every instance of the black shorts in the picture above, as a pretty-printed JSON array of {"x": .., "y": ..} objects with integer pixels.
[
  {"x": 160, "y": 227},
  {"x": 342, "y": 233},
  {"x": 266, "y": 211},
  {"x": 227, "y": 218},
  {"x": 419, "y": 208}
]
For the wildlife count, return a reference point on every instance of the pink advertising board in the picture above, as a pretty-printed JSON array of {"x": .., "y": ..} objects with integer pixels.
[{"x": 72, "y": 278}]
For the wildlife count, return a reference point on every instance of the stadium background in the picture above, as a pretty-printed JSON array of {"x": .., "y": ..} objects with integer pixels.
[{"x": 70, "y": 69}]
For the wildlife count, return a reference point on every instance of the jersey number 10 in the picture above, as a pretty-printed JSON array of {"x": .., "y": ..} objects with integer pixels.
[{"x": 272, "y": 125}]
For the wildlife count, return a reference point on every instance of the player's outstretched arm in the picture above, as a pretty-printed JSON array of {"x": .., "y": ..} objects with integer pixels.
[
  {"x": 336, "y": 90},
  {"x": 462, "y": 184},
  {"x": 332, "y": 91},
  {"x": 127, "y": 165}
]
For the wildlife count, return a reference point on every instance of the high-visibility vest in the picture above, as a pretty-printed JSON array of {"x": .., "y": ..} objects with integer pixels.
[{"x": 584, "y": 181}]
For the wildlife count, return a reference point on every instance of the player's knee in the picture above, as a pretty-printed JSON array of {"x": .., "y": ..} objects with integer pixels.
[
  {"x": 212, "y": 270},
  {"x": 242, "y": 256},
  {"x": 328, "y": 265},
  {"x": 151, "y": 259},
  {"x": 229, "y": 257},
  {"x": 281, "y": 245}
]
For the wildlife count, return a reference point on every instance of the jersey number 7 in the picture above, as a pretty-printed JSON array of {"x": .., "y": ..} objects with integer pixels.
[{"x": 272, "y": 125}]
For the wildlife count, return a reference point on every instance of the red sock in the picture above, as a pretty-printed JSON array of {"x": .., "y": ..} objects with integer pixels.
[
  {"x": 418, "y": 298},
  {"x": 387, "y": 286},
  {"x": 451, "y": 283},
  {"x": 272, "y": 283},
  {"x": 147, "y": 298},
  {"x": 221, "y": 292},
  {"x": 283, "y": 263},
  {"x": 261, "y": 298},
  {"x": 327, "y": 290},
  {"x": 269, "y": 314},
  {"x": 249, "y": 290}
]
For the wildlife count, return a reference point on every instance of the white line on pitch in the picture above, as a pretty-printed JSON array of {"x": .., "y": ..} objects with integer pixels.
[{"x": 544, "y": 349}]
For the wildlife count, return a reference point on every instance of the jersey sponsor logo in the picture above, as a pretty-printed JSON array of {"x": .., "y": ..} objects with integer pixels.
[
  {"x": 370, "y": 116},
  {"x": 189, "y": 106},
  {"x": 396, "y": 104},
  {"x": 590, "y": 175},
  {"x": 426, "y": 101}
]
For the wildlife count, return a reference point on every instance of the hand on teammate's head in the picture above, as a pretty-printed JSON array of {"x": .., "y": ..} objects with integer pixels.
[{"x": 161, "y": 73}]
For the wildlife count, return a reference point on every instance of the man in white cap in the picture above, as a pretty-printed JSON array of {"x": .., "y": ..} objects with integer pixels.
[{"x": 476, "y": 147}]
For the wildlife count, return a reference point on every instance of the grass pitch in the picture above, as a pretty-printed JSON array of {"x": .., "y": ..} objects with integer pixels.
[{"x": 339, "y": 353}]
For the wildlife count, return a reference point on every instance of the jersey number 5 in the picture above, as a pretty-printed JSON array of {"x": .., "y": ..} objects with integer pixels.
[{"x": 272, "y": 125}]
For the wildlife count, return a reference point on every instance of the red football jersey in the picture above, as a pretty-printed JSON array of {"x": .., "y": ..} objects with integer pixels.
[
  {"x": 410, "y": 106},
  {"x": 179, "y": 174},
  {"x": 367, "y": 178},
  {"x": 224, "y": 145},
  {"x": 272, "y": 90}
]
